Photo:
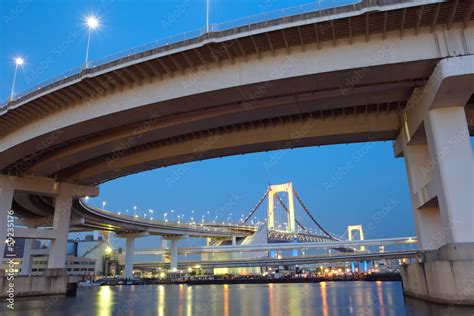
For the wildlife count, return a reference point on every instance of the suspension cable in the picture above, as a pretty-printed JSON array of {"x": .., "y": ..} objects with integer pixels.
[
  {"x": 311, "y": 216},
  {"x": 256, "y": 207},
  {"x": 288, "y": 211}
]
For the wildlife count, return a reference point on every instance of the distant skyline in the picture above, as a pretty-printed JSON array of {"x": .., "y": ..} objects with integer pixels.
[{"x": 341, "y": 184}]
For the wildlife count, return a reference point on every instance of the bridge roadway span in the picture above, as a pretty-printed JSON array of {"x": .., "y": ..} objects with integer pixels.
[
  {"x": 299, "y": 260},
  {"x": 378, "y": 70},
  {"x": 86, "y": 218},
  {"x": 282, "y": 246},
  {"x": 339, "y": 75}
]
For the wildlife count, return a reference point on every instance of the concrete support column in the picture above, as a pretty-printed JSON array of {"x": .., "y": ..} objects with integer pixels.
[
  {"x": 6, "y": 198},
  {"x": 26, "y": 261},
  {"x": 427, "y": 219},
  {"x": 61, "y": 220},
  {"x": 453, "y": 170},
  {"x": 234, "y": 240},
  {"x": 174, "y": 255},
  {"x": 129, "y": 249}
]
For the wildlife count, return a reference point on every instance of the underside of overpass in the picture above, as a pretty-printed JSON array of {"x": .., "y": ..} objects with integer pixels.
[
  {"x": 336, "y": 76},
  {"x": 377, "y": 70},
  {"x": 338, "y": 102}
]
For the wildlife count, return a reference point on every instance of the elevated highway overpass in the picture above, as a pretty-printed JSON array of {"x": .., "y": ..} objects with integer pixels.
[
  {"x": 299, "y": 260},
  {"x": 337, "y": 76},
  {"x": 283, "y": 246},
  {"x": 393, "y": 70}
]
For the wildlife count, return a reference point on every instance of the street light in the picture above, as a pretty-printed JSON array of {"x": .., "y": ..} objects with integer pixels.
[
  {"x": 92, "y": 23},
  {"x": 103, "y": 205},
  {"x": 18, "y": 62},
  {"x": 207, "y": 15}
]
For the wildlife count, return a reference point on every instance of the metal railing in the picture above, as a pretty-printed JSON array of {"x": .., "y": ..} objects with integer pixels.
[{"x": 265, "y": 17}]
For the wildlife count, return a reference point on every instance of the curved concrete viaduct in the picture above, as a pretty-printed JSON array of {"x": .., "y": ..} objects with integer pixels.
[
  {"x": 330, "y": 77},
  {"x": 378, "y": 70}
]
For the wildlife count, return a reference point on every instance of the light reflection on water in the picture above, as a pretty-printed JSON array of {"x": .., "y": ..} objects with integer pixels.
[
  {"x": 161, "y": 300},
  {"x": 105, "y": 299},
  {"x": 325, "y": 298}
]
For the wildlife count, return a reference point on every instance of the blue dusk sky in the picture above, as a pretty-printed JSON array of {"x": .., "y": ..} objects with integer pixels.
[{"x": 341, "y": 184}]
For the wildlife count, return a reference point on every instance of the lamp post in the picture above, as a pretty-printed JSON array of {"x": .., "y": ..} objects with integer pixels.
[
  {"x": 207, "y": 16},
  {"x": 92, "y": 23},
  {"x": 18, "y": 62}
]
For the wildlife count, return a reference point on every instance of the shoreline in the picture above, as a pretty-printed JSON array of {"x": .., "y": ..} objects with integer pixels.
[{"x": 291, "y": 280}]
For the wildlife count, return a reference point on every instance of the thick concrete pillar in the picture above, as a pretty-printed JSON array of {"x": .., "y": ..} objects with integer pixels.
[
  {"x": 444, "y": 183},
  {"x": 427, "y": 219},
  {"x": 61, "y": 220},
  {"x": 164, "y": 245},
  {"x": 453, "y": 171},
  {"x": 26, "y": 261},
  {"x": 129, "y": 249},
  {"x": 234, "y": 240},
  {"x": 174, "y": 255},
  {"x": 6, "y": 198}
]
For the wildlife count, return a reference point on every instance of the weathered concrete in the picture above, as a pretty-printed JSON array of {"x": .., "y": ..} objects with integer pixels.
[
  {"x": 54, "y": 282},
  {"x": 62, "y": 217},
  {"x": 444, "y": 276}
]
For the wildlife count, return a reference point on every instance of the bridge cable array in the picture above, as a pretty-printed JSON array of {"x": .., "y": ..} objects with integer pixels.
[
  {"x": 288, "y": 211},
  {"x": 280, "y": 201},
  {"x": 256, "y": 207},
  {"x": 312, "y": 217}
]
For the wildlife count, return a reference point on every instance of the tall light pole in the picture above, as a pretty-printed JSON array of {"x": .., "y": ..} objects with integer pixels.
[
  {"x": 92, "y": 23},
  {"x": 207, "y": 16},
  {"x": 18, "y": 62}
]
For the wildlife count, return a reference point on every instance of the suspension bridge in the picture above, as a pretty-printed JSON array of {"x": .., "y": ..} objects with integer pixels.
[
  {"x": 282, "y": 221},
  {"x": 282, "y": 228}
]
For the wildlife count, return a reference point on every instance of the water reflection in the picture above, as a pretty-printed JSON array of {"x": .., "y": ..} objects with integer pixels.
[
  {"x": 378, "y": 284},
  {"x": 189, "y": 301},
  {"x": 180, "y": 299},
  {"x": 105, "y": 301},
  {"x": 226, "y": 299},
  {"x": 271, "y": 299},
  {"x": 422, "y": 308},
  {"x": 294, "y": 300},
  {"x": 324, "y": 298},
  {"x": 161, "y": 300},
  {"x": 327, "y": 298}
]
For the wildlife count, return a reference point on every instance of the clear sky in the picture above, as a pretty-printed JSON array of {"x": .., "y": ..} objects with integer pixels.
[{"x": 341, "y": 184}]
